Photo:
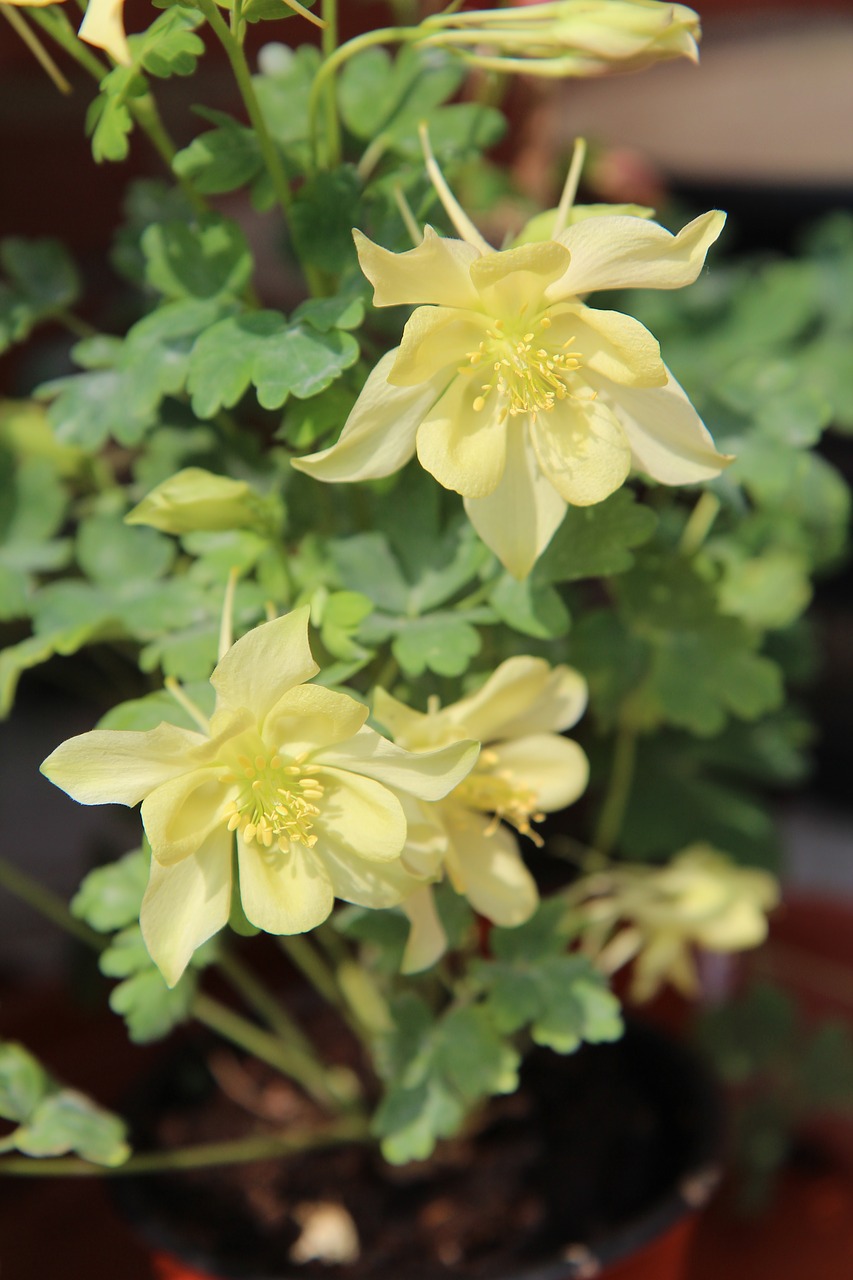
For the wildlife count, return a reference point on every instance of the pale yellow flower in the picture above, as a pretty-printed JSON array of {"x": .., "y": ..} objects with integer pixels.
[
  {"x": 525, "y": 770},
  {"x": 570, "y": 37},
  {"x": 290, "y": 770},
  {"x": 103, "y": 27},
  {"x": 513, "y": 391},
  {"x": 656, "y": 917}
]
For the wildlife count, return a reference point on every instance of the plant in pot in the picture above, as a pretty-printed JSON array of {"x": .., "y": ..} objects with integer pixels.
[{"x": 359, "y": 564}]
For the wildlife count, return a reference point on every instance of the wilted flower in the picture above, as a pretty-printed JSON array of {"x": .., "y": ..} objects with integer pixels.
[
  {"x": 525, "y": 770},
  {"x": 570, "y": 37},
  {"x": 511, "y": 389},
  {"x": 656, "y": 916},
  {"x": 288, "y": 768}
]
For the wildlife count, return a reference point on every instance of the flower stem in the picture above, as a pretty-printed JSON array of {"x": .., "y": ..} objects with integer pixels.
[
  {"x": 304, "y": 1069},
  {"x": 615, "y": 803},
  {"x": 313, "y": 967},
  {"x": 263, "y": 1002},
  {"x": 36, "y": 48},
  {"x": 204, "y": 1155},
  {"x": 333, "y": 124},
  {"x": 48, "y": 904},
  {"x": 699, "y": 523}
]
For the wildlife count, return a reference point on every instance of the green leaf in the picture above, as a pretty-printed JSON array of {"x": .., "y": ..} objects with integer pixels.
[
  {"x": 263, "y": 349},
  {"x": 110, "y": 552},
  {"x": 141, "y": 714},
  {"x": 561, "y": 997},
  {"x": 125, "y": 955},
  {"x": 41, "y": 273},
  {"x": 169, "y": 47},
  {"x": 23, "y": 1081},
  {"x": 150, "y": 1008},
  {"x": 32, "y": 652},
  {"x": 322, "y": 218},
  {"x": 376, "y": 91},
  {"x": 534, "y": 610},
  {"x": 67, "y": 1121},
  {"x": 441, "y": 642},
  {"x": 124, "y": 401},
  {"x": 222, "y": 159},
  {"x": 596, "y": 541},
  {"x": 206, "y": 259},
  {"x": 110, "y": 897},
  {"x": 437, "y": 1071}
]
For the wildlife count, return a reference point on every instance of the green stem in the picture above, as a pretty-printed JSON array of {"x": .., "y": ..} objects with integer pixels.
[
  {"x": 36, "y": 48},
  {"x": 248, "y": 985},
  {"x": 243, "y": 76},
  {"x": 48, "y": 904},
  {"x": 328, "y": 69},
  {"x": 333, "y": 125},
  {"x": 313, "y": 967},
  {"x": 699, "y": 523},
  {"x": 55, "y": 23},
  {"x": 304, "y": 1069},
  {"x": 615, "y": 803},
  {"x": 147, "y": 115},
  {"x": 204, "y": 1155}
]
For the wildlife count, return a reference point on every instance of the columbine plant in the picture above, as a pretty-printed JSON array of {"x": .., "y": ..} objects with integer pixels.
[{"x": 375, "y": 771}]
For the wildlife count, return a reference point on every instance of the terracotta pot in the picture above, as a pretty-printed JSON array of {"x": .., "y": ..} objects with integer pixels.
[{"x": 680, "y": 1120}]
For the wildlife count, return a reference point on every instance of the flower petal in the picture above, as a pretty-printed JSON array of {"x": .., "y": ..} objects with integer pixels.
[
  {"x": 186, "y": 904},
  {"x": 368, "y": 884},
  {"x": 523, "y": 696},
  {"x": 427, "y": 940},
  {"x": 283, "y": 892},
  {"x": 464, "y": 449},
  {"x": 180, "y": 814},
  {"x": 265, "y": 663},
  {"x": 103, "y": 27},
  {"x": 518, "y": 520},
  {"x": 436, "y": 340},
  {"x": 359, "y": 817},
  {"x": 582, "y": 450},
  {"x": 428, "y": 775},
  {"x": 310, "y": 717},
  {"x": 631, "y": 253},
  {"x": 489, "y": 870},
  {"x": 555, "y": 769},
  {"x": 436, "y": 271},
  {"x": 511, "y": 283},
  {"x": 379, "y": 435},
  {"x": 611, "y": 344},
  {"x": 112, "y": 766},
  {"x": 668, "y": 439}
]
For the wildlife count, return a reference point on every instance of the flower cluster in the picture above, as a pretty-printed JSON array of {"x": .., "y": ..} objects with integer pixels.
[{"x": 312, "y": 795}]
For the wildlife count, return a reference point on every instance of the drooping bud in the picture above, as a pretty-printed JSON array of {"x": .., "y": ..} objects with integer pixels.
[
  {"x": 570, "y": 37},
  {"x": 194, "y": 500}
]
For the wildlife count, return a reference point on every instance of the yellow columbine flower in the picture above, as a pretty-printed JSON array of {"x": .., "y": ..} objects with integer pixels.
[
  {"x": 511, "y": 389},
  {"x": 288, "y": 768},
  {"x": 570, "y": 37},
  {"x": 525, "y": 770},
  {"x": 103, "y": 27},
  {"x": 656, "y": 916}
]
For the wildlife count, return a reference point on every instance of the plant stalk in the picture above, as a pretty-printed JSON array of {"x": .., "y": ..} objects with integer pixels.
[
  {"x": 47, "y": 903},
  {"x": 612, "y": 813}
]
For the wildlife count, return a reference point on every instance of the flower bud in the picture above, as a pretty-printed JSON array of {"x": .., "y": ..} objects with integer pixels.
[
  {"x": 570, "y": 37},
  {"x": 196, "y": 500}
]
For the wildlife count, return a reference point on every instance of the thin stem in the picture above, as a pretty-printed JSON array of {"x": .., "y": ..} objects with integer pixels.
[
  {"x": 302, "y": 1068},
  {"x": 248, "y": 985},
  {"x": 243, "y": 76},
  {"x": 618, "y": 792},
  {"x": 204, "y": 1155},
  {"x": 55, "y": 23},
  {"x": 35, "y": 46},
  {"x": 328, "y": 69},
  {"x": 405, "y": 212},
  {"x": 699, "y": 523},
  {"x": 570, "y": 187},
  {"x": 47, "y": 903},
  {"x": 333, "y": 124},
  {"x": 147, "y": 115},
  {"x": 452, "y": 207},
  {"x": 313, "y": 967}
]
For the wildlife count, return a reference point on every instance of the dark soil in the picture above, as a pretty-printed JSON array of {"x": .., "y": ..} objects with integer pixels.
[{"x": 590, "y": 1145}]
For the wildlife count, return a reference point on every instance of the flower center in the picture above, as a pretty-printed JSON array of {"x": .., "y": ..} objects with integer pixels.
[
  {"x": 528, "y": 376},
  {"x": 497, "y": 792},
  {"x": 277, "y": 802}
]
